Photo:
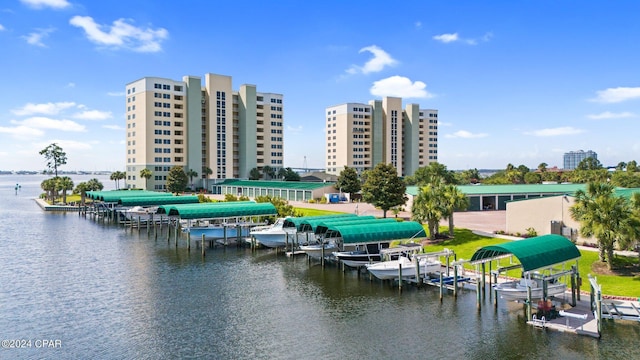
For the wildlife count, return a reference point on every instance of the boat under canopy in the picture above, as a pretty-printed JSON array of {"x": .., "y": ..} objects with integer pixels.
[
  {"x": 218, "y": 210},
  {"x": 296, "y": 222},
  {"x": 376, "y": 232},
  {"x": 533, "y": 253}
]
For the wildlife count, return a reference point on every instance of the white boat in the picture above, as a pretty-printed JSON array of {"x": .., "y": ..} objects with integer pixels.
[
  {"x": 517, "y": 290},
  {"x": 390, "y": 269},
  {"x": 139, "y": 212},
  {"x": 315, "y": 250},
  {"x": 362, "y": 255},
  {"x": 274, "y": 235}
]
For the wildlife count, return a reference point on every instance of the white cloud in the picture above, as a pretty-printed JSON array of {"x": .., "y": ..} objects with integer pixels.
[
  {"x": 93, "y": 115},
  {"x": 559, "y": 131},
  {"x": 113, "y": 93},
  {"x": 35, "y": 38},
  {"x": 40, "y": 4},
  {"x": 466, "y": 135},
  {"x": 380, "y": 59},
  {"x": 113, "y": 127},
  {"x": 400, "y": 86},
  {"x": 121, "y": 34},
  {"x": 446, "y": 38},
  {"x": 71, "y": 85},
  {"x": 610, "y": 115},
  {"x": 67, "y": 145},
  {"x": 454, "y": 37},
  {"x": 2, "y": 27},
  {"x": 22, "y": 132},
  {"x": 418, "y": 25},
  {"x": 39, "y": 122},
  {"x": 45, "y": 109},
  {"x": 616, "y": 95}
]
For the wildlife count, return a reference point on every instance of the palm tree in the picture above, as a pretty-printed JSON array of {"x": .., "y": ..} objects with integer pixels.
[
  {"x": 191, "y": 174},
  {"x": 606, "y": 217},
  {"x": 65, "y": 184},
  {"x": 542, "y": 167},
  {"x": 254, "y": 174},
  {"x": 114, "y": 176},
  {"x": 146, "y": 174},
  {"x": 429, "y": 207},
  {"x": 207, "y": 171},
  {"x": 122, "y": 175},
  {"x": 268, "y": 172},
  {"x": 82, "y": 189},
  {"x": 454, "y": 199},
  {"x": 49, "y": 186}
]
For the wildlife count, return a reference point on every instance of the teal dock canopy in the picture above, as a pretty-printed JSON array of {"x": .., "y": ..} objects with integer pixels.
[
  {"x": 311, "y": 224},
  {"x": 116, "y": 195},
  {"x": 322, "y": 227},
  {"x": 533, "y": 253},
  {"x": 157, "y": 200},
  {"x": 218, "y": 210},
  {"x": 376, "y": 232},
  {"x": 297, "y": 221}
]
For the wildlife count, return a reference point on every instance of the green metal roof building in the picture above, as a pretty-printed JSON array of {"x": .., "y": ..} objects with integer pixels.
[
  {"x": 495, "y": 197},
  {"x": 288, "y": 190}
]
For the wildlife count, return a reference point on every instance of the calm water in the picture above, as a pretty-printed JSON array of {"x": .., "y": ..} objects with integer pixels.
[{"x": 107, "y": 293}]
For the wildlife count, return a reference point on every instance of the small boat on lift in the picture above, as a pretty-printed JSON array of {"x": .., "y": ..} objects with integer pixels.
[
  {"x": 390, "y": 269},
  {"x": 274, "y": 235},
  {"x": 517, "y": 290}
]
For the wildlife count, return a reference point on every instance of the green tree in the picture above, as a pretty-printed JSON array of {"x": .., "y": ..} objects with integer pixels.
[
  {"x": 82, "y": 189},
  {"x": 65, "y": 184},
  {"x": 532, "y": 178},
  {"x": 117, "y": 176},
  {"x": 281, "y": 205},
  {"x": 621, "y": 166},
  {"x": 282, "y": 173},
  {"x": 50, "y": 187},
  {"x": 290, "y": 175},
  {"x": 428, "y": 174},
  {"x": 470, "y": 176},
  {"x": 606, "y": 217},
  {"x": 625, "y": 179},
  {"x": 191, "y": 174},
  {"x": 146, "y": 175},
  {"x": 55, "y": 157},
  {"x": 542, "y": 167},
  {"x": 254, "y": 174},
  {"x": 632, "y": 166},
  {"x": 383, "y": 188},
  {"x": 589, "y": 163},
  {"x": 348, "y": 181},
  {"x": 177, "y": 180},
  {"x": 268, "y": 172},
  {"x": 429, "y": 207},
  {"x": 94, "y": 185},
  {"x": 207, "y": 172},
  {"x": 454, "y": 200}
]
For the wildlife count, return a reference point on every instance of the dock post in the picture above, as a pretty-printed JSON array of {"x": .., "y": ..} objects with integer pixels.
[
  {"x": 529, "y": 315},
  {"x": 455, "y": 281},
  {"x": 484, "y": 276},
  {"x": 478, "y": 291},
  {"x": 441, "y": 286},
  {"x": 149, "y": 224},
  {"x": 322, "y": 255},
  {"x": 400, "y": 277},
  {"x": 417, "y": 264},
  {"x": 188, "y": 241},
  {"x": 168, "y": 230},
  {"x": 138, "y": 223},
  {"x": 578, "y": 281},
  {"x": 175, "y": 235},
  {"x": 495, "y": 292},
  {"x": 448, "y": 264},
  {"x": 202, "y": 246}
]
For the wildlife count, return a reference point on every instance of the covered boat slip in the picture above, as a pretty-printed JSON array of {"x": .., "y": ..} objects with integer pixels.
[
  {"x": 322, "y": 226},
  {"x": 375, "y": 232},
  {"x": 296, "y": 222},
  {"x": 221, "y": 210}
]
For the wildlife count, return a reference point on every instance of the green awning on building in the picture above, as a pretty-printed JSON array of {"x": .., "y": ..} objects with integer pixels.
[
  {"x": 218, "y": 210},
  {"x": 323, "y": 226},
  {"x": 376, "y": 232},
  {"x": 533, "y": 253},
  {"x": 157, "y": 200},
  {"x": 297, "y": 221}
]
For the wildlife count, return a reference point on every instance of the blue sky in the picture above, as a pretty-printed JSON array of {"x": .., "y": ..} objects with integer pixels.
[{"x": 518, "y": 82}]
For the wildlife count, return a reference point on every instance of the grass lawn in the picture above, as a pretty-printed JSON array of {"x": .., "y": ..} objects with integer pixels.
[
  {"x": 622, "y": 282},
  {"x": 315, "y": 212}
]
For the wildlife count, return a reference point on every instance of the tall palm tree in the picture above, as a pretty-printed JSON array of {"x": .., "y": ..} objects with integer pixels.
[
  {"x": 65, "y": 184},
  {"x": 454, "y": 199},
  {"x": 605, "y": 216},
  {"x": 146, "y": 175},
  {"x": 191, "y": 174},
  {"x": 114, "y": 176},
  {"x": 429, "y": 207},
  {"x": 49, "y": 186},
  {"x": 207, "y": 172},
  {"x": 82, "y": 189}
]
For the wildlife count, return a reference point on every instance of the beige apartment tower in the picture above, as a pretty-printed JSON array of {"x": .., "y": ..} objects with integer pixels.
[
  {"x": 200, "y": 127},
  {"x": 362, "y": 135}
]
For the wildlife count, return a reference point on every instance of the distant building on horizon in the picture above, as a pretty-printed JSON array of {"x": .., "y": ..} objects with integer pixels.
[
  {"x": 573, "y": 158},
  {"x": 360, "y": 136},
  {"x": 185, "y": 123}
]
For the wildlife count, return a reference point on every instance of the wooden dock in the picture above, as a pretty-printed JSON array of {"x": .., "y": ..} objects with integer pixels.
[{"x": 577, "y": 320}]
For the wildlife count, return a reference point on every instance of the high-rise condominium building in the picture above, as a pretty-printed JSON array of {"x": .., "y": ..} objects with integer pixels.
[
  {"x": 362, "y": 135},
  {"x": 573, "y": 158},
  {"x": 201, "y": 128}
]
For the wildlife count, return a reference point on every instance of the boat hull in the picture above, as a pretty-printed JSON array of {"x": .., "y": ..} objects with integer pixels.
[
  {"x": 390, "y": 269},
  {"x": 215, "y": 232},
  {"x": 357, "y": 258},
  {"x": 316, "y": 251},
  {"x": 515, "y": 290}
]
